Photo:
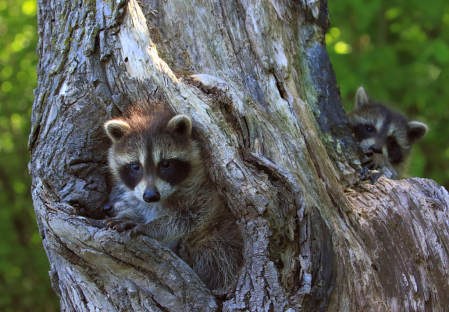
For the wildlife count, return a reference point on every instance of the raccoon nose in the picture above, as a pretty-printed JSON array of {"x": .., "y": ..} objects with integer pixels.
[
  {"x": 376, "y": 149},
  {"x": 151, "y": 196}
]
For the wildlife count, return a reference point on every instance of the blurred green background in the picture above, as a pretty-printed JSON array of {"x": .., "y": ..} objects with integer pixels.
[
  {"x": 24, "y": 280},
  {"x": 398, "y": 50}
]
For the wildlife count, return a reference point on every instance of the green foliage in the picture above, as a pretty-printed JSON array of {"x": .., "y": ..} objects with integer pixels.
[
  {"x": 399, "y": 51},
  {"x": 24, "y": 280}
]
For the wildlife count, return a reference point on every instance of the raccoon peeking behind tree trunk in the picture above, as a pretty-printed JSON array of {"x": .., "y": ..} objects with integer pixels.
[
  {"x": 385, "y": 136},
  {"x": 165, "y": 193}
]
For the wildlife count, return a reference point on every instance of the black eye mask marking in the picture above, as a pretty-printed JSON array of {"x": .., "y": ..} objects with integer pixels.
[
  {"x": 174, "y": 171},
  {"x": 394, "y": 151},
  {"x": 131, "y": 174},
  {"x": 363, "y": 131}
]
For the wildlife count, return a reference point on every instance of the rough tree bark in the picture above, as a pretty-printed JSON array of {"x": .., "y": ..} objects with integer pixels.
[{"x": 256, "y": 79}]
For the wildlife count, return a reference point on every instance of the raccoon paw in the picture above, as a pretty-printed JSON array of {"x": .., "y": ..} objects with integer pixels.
[
  {"x": 375, "y": 177},
  {"x": 183, "y": 252},
  {"x": 111, "y": 222},
  {"x": 368, "y": 161},
  {"x": 374, "y": 161},
  {"x": 125, "y": 226},
  {"x": 120, "y": 225}
]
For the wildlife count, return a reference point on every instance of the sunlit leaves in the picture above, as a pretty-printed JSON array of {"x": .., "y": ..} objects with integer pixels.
[
  {"x": 7, "y": 71},
  {"x": 29, "y": 7},
  {"x": 6, "y": 86},
  {"x": 393, "y": 13},
  {"x": 413, "y": 33},
  {"x": 334, "y": 32},
  {"x": 446, "y": 18},
  {"x": 342, "y": 48}
]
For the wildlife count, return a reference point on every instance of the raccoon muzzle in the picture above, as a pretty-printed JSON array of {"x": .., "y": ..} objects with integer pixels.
[{"x": 376, "y": 149}]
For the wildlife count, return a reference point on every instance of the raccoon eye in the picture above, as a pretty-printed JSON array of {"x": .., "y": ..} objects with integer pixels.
[
  {"x": 392, "y": 141},
  {"x": 369, "y": 128},
  {"x": 165, "y": 164},
  {"x": 135, "y": 167}
]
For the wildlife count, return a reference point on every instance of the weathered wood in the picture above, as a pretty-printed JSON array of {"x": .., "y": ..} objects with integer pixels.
[
  {"x": 256, "y": 79},
  {"x": 405, "y": 230}
]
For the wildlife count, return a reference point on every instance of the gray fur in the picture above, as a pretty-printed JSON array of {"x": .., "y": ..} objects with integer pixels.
[
  {"x": 385, "y": 136},
  {"x": 190, "y": 214}
]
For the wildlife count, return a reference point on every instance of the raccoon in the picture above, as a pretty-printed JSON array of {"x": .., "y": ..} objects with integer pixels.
[
  {"x": 123, "y": 207},
  {"x": 385, "y": 136},
  {"x": 166, "y": 194}
]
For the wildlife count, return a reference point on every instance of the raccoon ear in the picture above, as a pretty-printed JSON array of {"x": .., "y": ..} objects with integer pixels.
[
  {"x": 361, "y": 98},
  {"x": 180, "y": 125},
  {"x": 116, "y": 129},
  {"x": 416, "y": 131}
]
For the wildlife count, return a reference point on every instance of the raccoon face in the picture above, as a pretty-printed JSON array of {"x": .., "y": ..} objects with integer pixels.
[
  {"x": 382, "y": 131},
  {"x": 153, "y": 156}
]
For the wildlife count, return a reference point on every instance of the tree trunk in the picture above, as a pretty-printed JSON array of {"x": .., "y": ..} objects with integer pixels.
[{"x": 255, "y": 77}]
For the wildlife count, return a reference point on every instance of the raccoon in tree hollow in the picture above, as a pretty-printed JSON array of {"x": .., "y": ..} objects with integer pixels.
[
  {"x": 385, "y": 136},
  {"x": 165, "y": 193}
]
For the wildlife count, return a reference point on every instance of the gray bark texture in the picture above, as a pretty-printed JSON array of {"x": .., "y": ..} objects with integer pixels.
[{"x": 255, "y": 77}]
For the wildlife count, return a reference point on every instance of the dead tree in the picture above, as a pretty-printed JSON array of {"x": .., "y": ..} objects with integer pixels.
[{"x": 255, "y": 77}]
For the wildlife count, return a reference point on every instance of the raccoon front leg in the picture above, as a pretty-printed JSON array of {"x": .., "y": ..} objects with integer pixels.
[
  {"x": 373, "y": 161},
  {"x": 165, "y": 228},
  {"x": 376, "y": 161},
  {"x": 126, "y": 220}
]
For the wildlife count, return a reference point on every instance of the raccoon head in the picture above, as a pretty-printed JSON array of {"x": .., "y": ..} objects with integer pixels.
[
  {"x": 154, "y": 155},
  {"x": 383, "y": 131}
]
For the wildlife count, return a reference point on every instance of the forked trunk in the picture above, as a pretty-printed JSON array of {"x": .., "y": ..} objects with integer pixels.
[{"x": 255, "y": 77}]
